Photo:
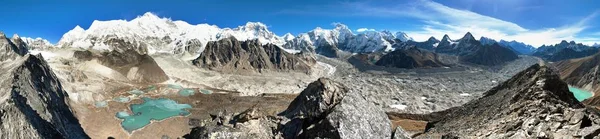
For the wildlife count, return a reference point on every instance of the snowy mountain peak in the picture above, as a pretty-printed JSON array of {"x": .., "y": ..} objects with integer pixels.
[
  {"x": 149, "y": 16},
  {"x": 78, "y": 29},
  {"x": 16, "y": 36},
  {"x": 402, "y": 36},
  {"x": 36, "y": 43},
  {"x": 288, "y": 37},
  {"x": 340, "y": 26},
  {"x": 254, "y": 26},
  {"x": 2, "y": 36}
]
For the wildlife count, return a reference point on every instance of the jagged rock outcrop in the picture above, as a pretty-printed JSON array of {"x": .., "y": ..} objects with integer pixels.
[
  {"x": 11, "y": 48},
  {"x": 535, "y": 103},
  {"x": 33, "y": 103},
  {"x": 410, "y": 58},
  {"x": 231, "y": 55},
  {"x": 490, "y": 55},
  {"x": 464, "y": 46},
  {"x": 325, "y": 109},
  {"x": 139, "y": 68}
]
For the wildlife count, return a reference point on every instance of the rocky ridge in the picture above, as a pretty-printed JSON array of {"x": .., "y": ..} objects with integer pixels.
[
  {"x": 35, "y": 104},
  {"x": 231, "y": 55},
  {"x": 533, "y": 104}
]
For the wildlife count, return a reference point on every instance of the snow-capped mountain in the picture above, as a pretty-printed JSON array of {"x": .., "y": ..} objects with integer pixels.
[
  {"x": 288, "y": 37},
  {"x": 343, "y": 38},
  {"x": 402, "y": 36},
  {"x": 152, "y": 34},
  {"x": 37, "y": 43}
]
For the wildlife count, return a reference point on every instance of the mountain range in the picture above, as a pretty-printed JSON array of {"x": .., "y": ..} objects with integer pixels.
[{"x": 151, "y": 34}]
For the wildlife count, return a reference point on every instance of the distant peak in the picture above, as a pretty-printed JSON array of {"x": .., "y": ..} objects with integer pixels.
[
  {"x": 446, "y": 38},
  {"x": 563, "y": 41},
  {"x": 2, "y": 36},
  {"x": 469, "y": 36},
  {"x": 255, "y": 26},
  {"x": 288, "y": 36},
  {"x": 340, "y": 26},
  {"x": 150, "y": 15},
  {"x": 432, "y": 39},
  {"x": 16, "y": 36},
  {"x": 78, "y": 28}
]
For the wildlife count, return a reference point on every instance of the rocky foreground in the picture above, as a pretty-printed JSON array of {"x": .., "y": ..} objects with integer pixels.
[
  {"x": 533, "y": 104},
  {"x": 33, "y": 103},
  {"x": 325, "y": 109}
]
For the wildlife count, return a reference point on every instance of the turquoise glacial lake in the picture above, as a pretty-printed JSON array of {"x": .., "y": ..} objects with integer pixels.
[
  {"x": 151, "y": 109},
  {"x": 580, "y": 94}
]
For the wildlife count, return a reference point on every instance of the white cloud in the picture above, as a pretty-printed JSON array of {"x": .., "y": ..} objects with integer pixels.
[
  {"x": 439, "y": 19},
  {"x": 364, "y": 29}
]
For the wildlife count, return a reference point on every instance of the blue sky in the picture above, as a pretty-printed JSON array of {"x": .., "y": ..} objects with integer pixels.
[{"x": 531, "y": 21}]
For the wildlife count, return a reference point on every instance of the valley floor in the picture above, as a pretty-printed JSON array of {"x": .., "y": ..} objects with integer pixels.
[{"x": 395, "y": 90}]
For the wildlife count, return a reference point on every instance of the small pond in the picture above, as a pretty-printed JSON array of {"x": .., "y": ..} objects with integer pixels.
[
  {"x": 151, "y": 109},
  {"x": 580, "y": 94}
]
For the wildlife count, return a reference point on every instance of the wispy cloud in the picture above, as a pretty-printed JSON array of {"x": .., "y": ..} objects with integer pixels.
[{"x": 438, "y": 19}]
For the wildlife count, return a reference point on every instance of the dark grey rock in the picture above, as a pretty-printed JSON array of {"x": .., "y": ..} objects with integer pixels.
[
  {"x": 231, "y": 55},
  {"x": 34, "y": 104}
]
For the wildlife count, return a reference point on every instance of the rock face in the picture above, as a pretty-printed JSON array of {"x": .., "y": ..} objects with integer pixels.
[
  {"x": 410, "y": 58},
  {"x": 490, "y": 55},
  {"x": 231, "y": 55},
  {"x": 564, "y": 50},
  {"x": 533, "y": 104},
  {"x": 139, "y": 68},
  {"x": 325, "y": 109},
  {"x": 34, "y": 104},
  {"x": 11, "y": 48}
]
